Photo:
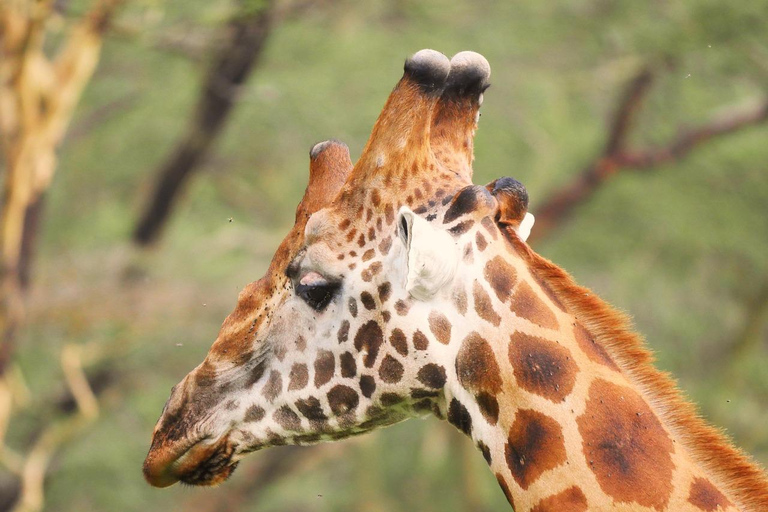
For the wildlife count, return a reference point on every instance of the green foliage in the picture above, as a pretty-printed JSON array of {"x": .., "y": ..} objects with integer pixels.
[{"x": 683, "y": 248}]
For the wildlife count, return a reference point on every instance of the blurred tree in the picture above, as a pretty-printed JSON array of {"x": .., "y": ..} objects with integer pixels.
[
  {"x": 230, "y": 68},
  {"x": 38, "y": 95},
  {"x": 616, "y": 155},
  {"x": 560, "y": 65}
]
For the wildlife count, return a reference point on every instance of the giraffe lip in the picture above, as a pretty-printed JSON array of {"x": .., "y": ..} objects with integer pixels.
[{"x": 198, "y": 463}]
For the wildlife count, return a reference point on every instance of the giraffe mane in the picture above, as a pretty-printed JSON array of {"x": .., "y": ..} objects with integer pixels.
[{"x": 709, "y": 446}]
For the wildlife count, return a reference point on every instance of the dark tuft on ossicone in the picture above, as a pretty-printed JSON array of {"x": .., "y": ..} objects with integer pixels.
[
  {"x": 429, "y": 69},
  {"x": 469, "y": 74}
]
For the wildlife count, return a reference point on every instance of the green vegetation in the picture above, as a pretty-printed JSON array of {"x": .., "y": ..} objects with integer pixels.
[{"x": 683, "y": 248}]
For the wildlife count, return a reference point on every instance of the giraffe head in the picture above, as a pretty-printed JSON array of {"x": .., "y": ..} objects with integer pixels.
[{"x": 358, "y": 321}]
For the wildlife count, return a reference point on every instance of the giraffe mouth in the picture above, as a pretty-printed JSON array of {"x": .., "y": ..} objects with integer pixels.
[
  {"x": 212, "y": 470},
  {"x": 202, "y": 463}
]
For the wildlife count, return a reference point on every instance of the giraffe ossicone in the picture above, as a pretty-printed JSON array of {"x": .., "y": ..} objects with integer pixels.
[{"x": 405, "y": 290}]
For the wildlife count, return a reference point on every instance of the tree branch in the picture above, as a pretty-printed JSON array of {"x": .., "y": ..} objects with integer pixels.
[
  {"x": 689, "y": 140},
  {"x": 230, "y": 69},
  {"x": 629, "y": 106},
  {"x": 555, "y": 209}
]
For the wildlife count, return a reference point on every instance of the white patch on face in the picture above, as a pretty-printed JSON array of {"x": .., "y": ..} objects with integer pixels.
[{"x": 431, "y": 255}]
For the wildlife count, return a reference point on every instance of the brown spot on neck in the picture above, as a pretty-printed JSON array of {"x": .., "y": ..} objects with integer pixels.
[
  {"x": 459, "y": 417},
  {"x": 476, "y": 366},
  {"x": 483, "y": 305},
  {"x": 286, "y": 418},
  {"x": 570, "y": 500},
  {"x": 461, "y": 227},
  {"x": 591, "y": 348},
  {"x": 348, "y": 365},
  {"x": 490, "y": 227},
  {"x": 274, "y": 386},
  {"x": 402, "y": 307},
  {"x": 626, "y": 446},
  {"x": 399, "y": 342},
  {"x": 342, "y": 399},
  {"x": 542, "y": 367},
  {"x": 460, "y": 300},
  {"x": 526, "y": 304},
  {"x": 535, "y": 445},
  {"x": 704, "y": 495},
  {"x": 391, "y": 370},
  {"x": 432, "y": 375},
  {"x": 501, "y": 276},
  {"x": 480, "y": 241},
  {"x": 420, "y": 341}
]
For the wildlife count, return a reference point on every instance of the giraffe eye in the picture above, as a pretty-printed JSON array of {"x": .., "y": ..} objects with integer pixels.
[{"x": 317, "y": 294}]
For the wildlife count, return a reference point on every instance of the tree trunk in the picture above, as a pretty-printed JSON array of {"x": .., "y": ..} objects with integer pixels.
[
  {"x": 230, "y": 69},
  {"x": 37, "y": 98}
]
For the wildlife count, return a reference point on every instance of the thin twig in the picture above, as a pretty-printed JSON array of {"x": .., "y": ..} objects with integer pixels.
[{"x": 71, "y": 363}]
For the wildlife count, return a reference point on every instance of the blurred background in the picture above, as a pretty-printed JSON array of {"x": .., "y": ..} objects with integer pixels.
[{"x": 154, "y": 152}]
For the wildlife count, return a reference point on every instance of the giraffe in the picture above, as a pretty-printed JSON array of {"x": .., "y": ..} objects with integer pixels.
[{"x": 404, "y": 290}]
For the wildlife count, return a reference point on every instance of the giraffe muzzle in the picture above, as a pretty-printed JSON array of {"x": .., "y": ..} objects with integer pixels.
[{"x": 203, "y": 463}]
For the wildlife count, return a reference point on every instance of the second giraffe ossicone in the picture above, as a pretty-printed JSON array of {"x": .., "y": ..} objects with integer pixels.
[{"x": 404, "y": 290}]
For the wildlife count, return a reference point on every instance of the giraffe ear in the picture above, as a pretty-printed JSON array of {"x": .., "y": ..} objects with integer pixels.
[
  {"x": 524, "y": 229},
  {"x": 512, "y": 205},
  {"x": 431, "y": 255}
]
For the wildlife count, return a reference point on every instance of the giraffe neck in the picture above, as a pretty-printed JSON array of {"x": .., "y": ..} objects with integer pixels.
[{"x": 558, "y": 419}]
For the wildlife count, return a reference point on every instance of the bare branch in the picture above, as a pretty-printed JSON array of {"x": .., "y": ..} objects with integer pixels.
[
  {"x": 624, "y": 119},
  {"x": 191, "y": 42},
  {"x": 689, "y": 140},
  {"x": 553, "y": 211},
  {"x": 229, "y": 71}
]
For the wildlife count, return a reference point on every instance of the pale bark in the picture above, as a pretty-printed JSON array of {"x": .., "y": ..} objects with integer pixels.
[{"x": 38, "y": 95}]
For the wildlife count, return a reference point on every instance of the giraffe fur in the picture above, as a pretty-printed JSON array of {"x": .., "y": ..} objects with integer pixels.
[{"x": 405, "y": 290}]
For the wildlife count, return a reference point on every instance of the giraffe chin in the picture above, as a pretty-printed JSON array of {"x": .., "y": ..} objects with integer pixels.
[
  {"x": 206, "y": 477},
  {"x": 202, "y": 464}
]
